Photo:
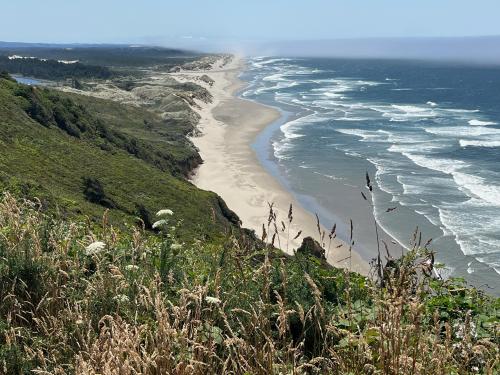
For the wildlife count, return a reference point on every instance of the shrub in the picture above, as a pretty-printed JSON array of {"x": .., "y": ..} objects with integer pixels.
[{"x": 94, "y": 193}]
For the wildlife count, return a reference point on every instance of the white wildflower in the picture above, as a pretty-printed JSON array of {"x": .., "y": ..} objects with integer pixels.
[
  {"x": 159, "y": 223},
  {"x": 460, "y": 330},
  {"x": 176, "y": 246},
  {"x": 131, "y": 267},
  {"x": 121, "y": 298},
  {"x": 95, "y": 248},
  {"x": 473, "y": 330},
  {"x": 164, "y": 212},
  {"x": 212, "y": 300}
]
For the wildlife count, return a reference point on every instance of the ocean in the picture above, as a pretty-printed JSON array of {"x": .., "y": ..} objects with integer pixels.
[{"x": 427, "y": 133}]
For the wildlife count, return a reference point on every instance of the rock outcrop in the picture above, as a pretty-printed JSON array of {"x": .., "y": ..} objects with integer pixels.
[{"x": 312, "y": 247}]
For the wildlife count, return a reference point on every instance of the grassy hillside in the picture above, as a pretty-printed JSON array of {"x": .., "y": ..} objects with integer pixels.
[
  {"x": 80, "y": 299},
  {"x": 83, "y": 155}
]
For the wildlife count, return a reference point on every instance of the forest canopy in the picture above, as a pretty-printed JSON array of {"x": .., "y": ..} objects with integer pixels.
[{"x": 53, "y": 69}]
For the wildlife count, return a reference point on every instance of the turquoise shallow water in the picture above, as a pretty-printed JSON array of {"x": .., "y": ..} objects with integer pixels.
[{"x": 427, "y": 133}]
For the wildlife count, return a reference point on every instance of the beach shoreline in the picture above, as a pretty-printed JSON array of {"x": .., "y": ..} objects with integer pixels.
[{"x": 228, "y": 128}]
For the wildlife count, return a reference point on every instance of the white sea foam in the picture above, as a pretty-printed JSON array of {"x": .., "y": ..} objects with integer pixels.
[
  {"x": 339, "y": 85},
  {"x": 280, "y": 85},
  {"x": 416, "y": 146},
  {"x": 447, "y": 166},
  {"x": 481, "y": 123},
  {"x": 478, "y": 187},
  {"x": 332, "y": 94},
  {"x": 434, "y": 220},
  {"x": 271, "y": 61},
  {"x": 353, "y": 153},
  {"x": 455, "y": 110},
  {"x": 478, "y": 143},
  {"x": 410, "y": 187},
  {"x": 431, "y": 110},
  {"x": 461, "y": 131},
  {"x": 305, "y": 71},
  {"x": 386, "y": 166},
  {"x": 414, "y": 110},
  {"x": 366, "y": 135},
  {"x": 280, "y": 149},
  {"x": 491, "y": 261},
  {"x": 274, "y": 77},
  {"x": 368, "y": 83},
  {"x": 400, "y": 113},
  {"x": 473, "y": 239},
  {"x": 418, "y": 184},
  {"x": 347, "y": 118},
  {"x": 291, "y": 128},
  {"x": 406, "y": 138},
  {"x": 386, "y": 188}
]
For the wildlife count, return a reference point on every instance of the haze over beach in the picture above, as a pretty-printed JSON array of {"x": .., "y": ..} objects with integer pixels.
[{"x": 250, "y": 187}]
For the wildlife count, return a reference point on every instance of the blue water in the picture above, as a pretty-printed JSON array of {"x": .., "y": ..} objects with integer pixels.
[
  {"x": 428, "y": 133},
  {"x": 27, "y": 80}
]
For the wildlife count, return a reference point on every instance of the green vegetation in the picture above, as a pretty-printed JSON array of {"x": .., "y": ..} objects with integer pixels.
[
  {"x": 106, "y": 55},
  {"x": 93, "y": 299},
  {"x": 94, "y": 61},
  {"x": 52, "y": 144},
  {"x": 53, "y": 69}
]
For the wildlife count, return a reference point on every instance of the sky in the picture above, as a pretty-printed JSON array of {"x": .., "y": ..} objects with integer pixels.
[{"x": 235, "y": 21}]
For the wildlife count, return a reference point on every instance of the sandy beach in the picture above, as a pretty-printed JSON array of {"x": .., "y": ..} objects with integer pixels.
[{"x": 228, "y": 127}]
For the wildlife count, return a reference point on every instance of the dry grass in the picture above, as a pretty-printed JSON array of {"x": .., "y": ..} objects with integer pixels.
[{"x": 141, "y": 307}]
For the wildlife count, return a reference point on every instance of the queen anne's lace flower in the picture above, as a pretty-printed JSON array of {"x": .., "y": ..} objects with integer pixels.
[
  {"x": 159, "y": 223},
  {"x": 460, "y": 329},
  {"x": 164, "y": 212},
  {"x": 176, "y": 246},
  {"x": 121, "y": 298},
  {"x": 95, "y": 248},
  {"x": 131, "y": 267},
  {"x": 212, "y": 300}
]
